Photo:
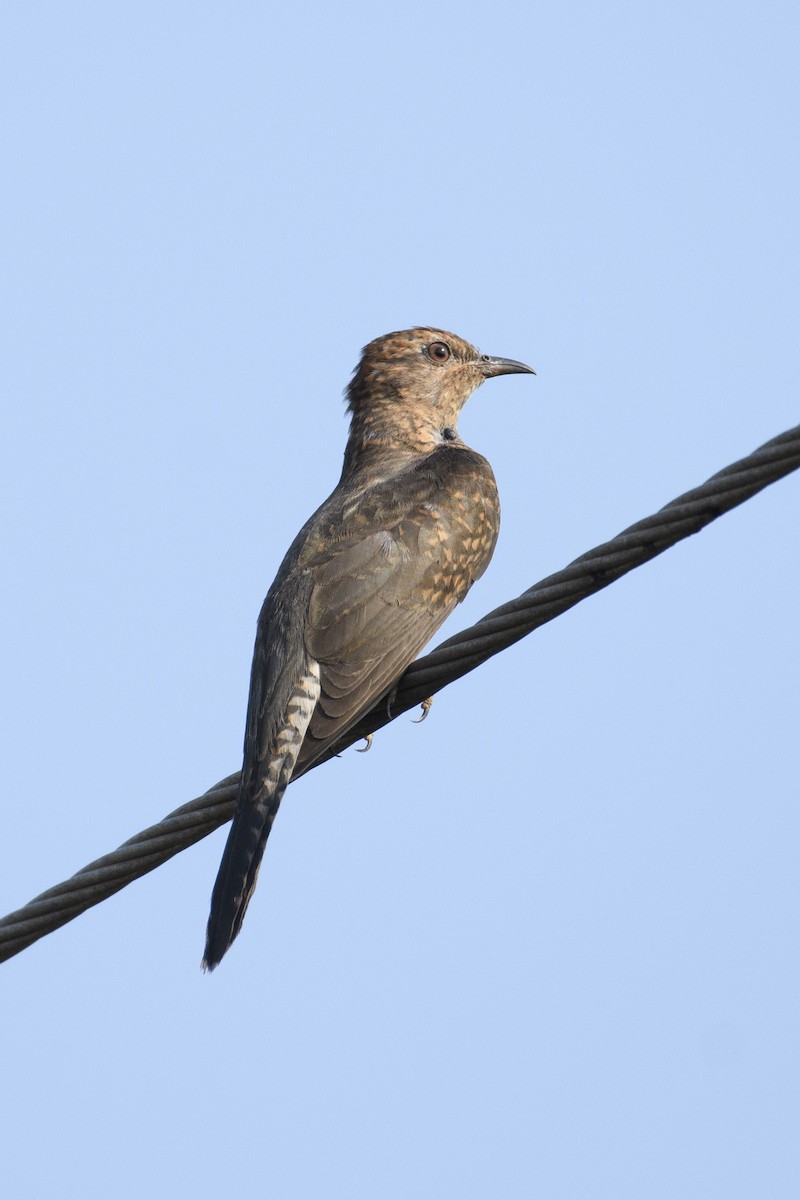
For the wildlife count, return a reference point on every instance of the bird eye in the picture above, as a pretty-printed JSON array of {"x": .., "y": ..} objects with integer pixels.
[{"x": 439, "y": 351}]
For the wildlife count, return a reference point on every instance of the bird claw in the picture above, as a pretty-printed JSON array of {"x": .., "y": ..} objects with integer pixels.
[
  {"x": 367, "y": 746},
  {"x": 426, "y": 708}
]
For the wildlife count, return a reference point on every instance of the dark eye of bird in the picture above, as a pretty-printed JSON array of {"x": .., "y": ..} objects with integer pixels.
[{"x": 439, "y": 351}]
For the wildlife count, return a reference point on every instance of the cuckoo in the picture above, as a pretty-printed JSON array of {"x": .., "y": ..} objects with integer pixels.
[{"x": 372, "y": 574}]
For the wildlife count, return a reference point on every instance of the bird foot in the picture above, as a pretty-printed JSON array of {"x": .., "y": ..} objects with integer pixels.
[
  {"x": 367, "y": 744},
  {"x": 426, "y": 708}
]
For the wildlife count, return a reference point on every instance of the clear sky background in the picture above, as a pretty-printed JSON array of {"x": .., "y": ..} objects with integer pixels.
[{"x": 545, "y": 944}]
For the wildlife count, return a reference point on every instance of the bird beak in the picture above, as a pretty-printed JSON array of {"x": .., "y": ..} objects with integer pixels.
[{"x": 489, "y": 367}]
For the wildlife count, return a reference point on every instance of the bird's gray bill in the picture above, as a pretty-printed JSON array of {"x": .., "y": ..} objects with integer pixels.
[{"x": 503, "y": 366}]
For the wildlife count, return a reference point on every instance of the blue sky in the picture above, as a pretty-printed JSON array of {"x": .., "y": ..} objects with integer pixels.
[{"x": 544, "y": 944}]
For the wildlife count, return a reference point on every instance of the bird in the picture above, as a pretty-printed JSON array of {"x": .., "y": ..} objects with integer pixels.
[{"x": 369, "y": 578}]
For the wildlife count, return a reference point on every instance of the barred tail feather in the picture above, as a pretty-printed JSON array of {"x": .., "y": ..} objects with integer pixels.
[{"x": 260, "y": 793}]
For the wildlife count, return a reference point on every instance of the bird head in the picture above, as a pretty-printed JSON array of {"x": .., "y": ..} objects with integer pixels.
[{"x": 413, "y": 384}]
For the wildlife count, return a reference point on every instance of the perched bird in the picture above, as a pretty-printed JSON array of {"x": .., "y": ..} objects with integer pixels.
[{"x": 408, "y": 529}]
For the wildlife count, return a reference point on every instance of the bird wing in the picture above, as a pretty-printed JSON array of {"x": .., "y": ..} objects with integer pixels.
[{"x": 374, "y": 604}]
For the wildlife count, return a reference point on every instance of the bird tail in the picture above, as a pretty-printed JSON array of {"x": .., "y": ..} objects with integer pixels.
[
  {"x": 261, "y": 789},
  {"x": 238, "y": 871}
]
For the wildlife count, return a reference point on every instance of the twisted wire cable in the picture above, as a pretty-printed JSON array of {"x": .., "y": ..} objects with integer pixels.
[{"x": 460, "y": 654}]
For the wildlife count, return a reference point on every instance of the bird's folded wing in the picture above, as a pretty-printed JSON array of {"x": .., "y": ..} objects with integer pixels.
[{"x": 374, "y": 605}]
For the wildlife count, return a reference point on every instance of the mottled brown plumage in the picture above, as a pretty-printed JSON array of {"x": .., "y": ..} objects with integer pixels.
[{"x": 411, "y": 525}]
